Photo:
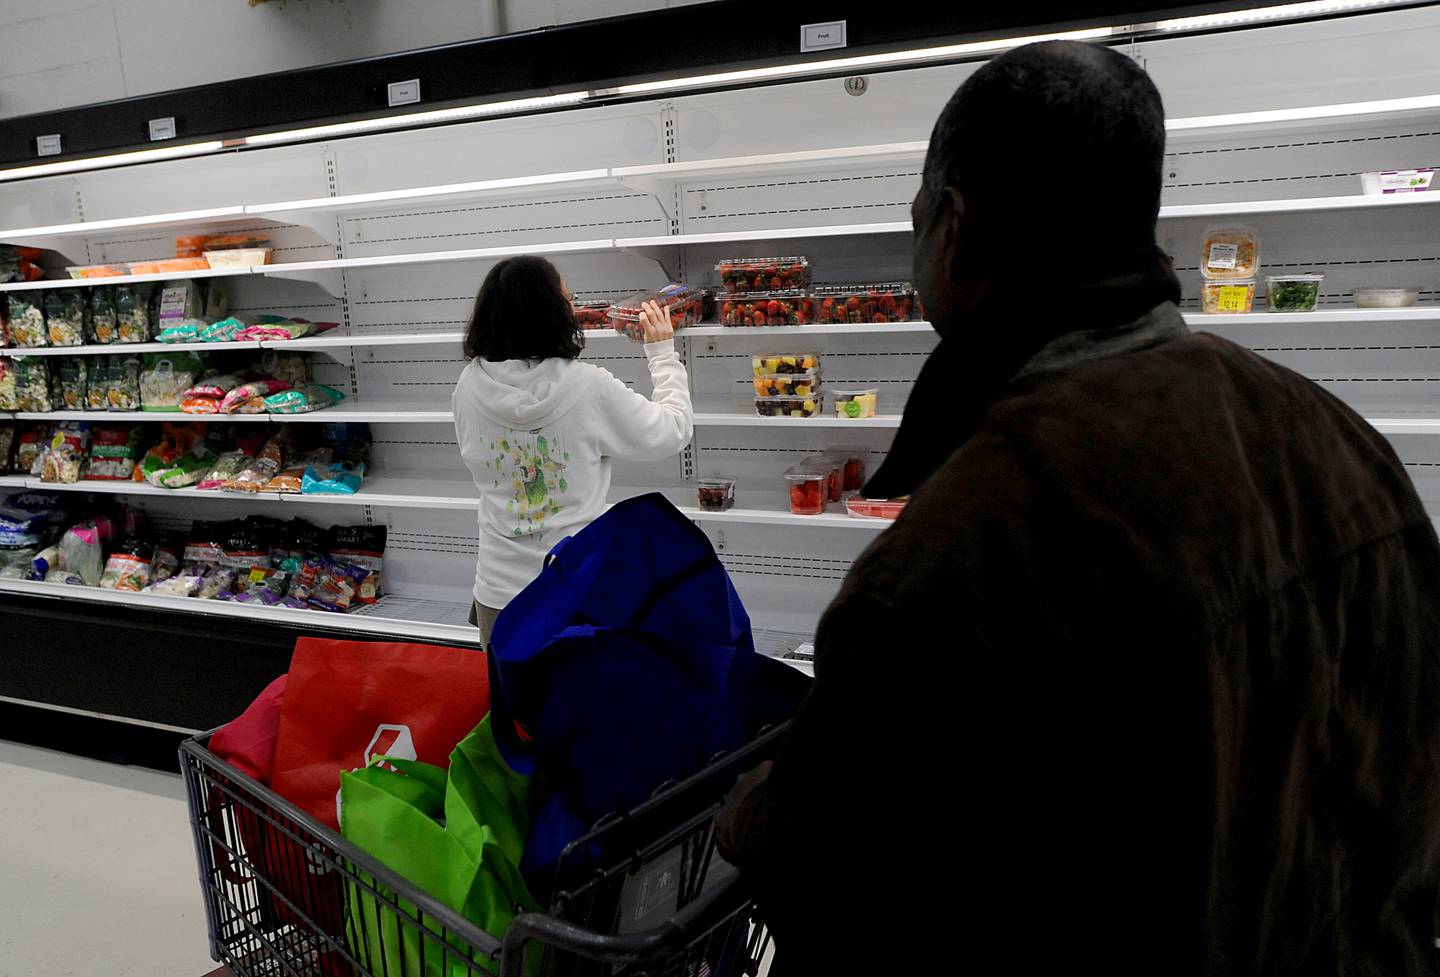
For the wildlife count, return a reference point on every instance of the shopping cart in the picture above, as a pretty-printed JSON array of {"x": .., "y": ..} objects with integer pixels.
[{"x": 643, "y": 894}]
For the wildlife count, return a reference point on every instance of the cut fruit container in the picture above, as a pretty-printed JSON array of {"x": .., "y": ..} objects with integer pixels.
[
  {"x": 766, "y": 364},
  {"x": 715, "y": 494},
  {"x": 788, "y": 406},
  {"x": 807, "y": 490},
  {"x": 788, "y": 384},
  {"x": 874, "y": 508},
  {"x": 856, "y": 403}
]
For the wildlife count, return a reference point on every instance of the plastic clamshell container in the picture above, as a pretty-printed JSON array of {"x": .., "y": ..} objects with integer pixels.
[
  {"x": 238, "y": 257},
  {"x": 1225, "y": 298},
  {"x": 888, "y": 302},
  {"x": 1293, "y": 293},
  {"x": 834, "y": 470},
  {"x": 682, "y": 301},
  {"x": 1386, "y": 298},
  {"x": 791, "y": 308},
  {"x": 97, "y": 271},
  {"x": 592, "y": 315},
  {"x": 788, "y": 384},
  {"x": 166, "y": 266},
  {"x": 852, "y": 461},
  {"x": 856, "y": 403},
  {"x": 763, "y": 274},
  {"x": 766, "y": 364},
  {"x": 1230, "y": 254},
  {"x": 1398, "y": 181},
  {"x": 807, "y": 489},
  {"x": 874, "y": 508},
  {"x": 788, "y": 406},
  {"x": 715, "y": 494}
]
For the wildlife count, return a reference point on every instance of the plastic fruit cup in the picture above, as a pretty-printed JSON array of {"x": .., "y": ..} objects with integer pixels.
[
  {"x": 1227, "y": 298},
  {"x": 807, "y": 491},
  {"x": 852, "y": 463},
  {"x": 773, "y": 363},
  {"x": 856, "y": 403},
  {"x": 716, "y": 494},
  {"x": 788, "y": 385},
  {"x": 788, "y": 406}
]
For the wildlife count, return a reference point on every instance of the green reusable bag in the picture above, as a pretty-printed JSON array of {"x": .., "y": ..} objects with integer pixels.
[{"x": 468, "y": 862}]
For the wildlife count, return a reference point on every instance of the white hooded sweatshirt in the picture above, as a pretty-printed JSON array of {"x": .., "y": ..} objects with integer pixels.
[{"x": 538, "y": 437}]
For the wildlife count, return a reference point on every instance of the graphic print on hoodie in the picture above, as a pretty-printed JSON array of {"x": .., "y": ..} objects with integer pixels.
[{"x": 538, "y": 437}]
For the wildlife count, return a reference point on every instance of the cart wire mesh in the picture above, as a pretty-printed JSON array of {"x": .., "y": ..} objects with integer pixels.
[{"x": 644, "y": 893}]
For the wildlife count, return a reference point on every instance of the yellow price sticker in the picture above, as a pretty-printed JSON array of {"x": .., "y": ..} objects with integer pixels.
[{"x": 1233, "y": 298}]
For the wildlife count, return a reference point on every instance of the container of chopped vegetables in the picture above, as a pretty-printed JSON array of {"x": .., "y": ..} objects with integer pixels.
[
  {"x": 764, "y": 274},
  {"x": 789, "y": 308},
  {"x": 1293, "y": 293},
  {"x": 682, "y": 302},
  {"x": 1227, "y": 297},
  {"x": 890, "y": 302},
  {"x": 1230, "y": 254}
]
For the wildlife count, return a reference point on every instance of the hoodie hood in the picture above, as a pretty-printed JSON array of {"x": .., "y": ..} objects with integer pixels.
[{"x": 524, "y": 394}]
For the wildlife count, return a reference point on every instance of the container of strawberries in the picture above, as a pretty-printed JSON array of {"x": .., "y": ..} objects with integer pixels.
[
  {"x": 789, "y": 308},
  {"x": 889, "y": 302},
  {"x": 592, "y": 315},
  {"x": 682, "y": 302},
  {"x": 764, "y": 274}
]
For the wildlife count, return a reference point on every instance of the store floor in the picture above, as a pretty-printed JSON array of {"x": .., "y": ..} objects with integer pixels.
[{"x": 97, "y": 870}]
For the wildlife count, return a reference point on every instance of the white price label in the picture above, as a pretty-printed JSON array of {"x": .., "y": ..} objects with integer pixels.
[{"x": 1222, "y": 256}]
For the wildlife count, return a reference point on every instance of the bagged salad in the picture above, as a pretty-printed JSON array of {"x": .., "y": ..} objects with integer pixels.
[
  {"x": 66, "y": 312},
  {"x": 73, "y": 379},
  {"x": 114, "y": 452},
  {"x": 103, "y": 319},
  {"x": 302, "y": 400},
  {"x": 122, "y": 388},
  {"x": 27, "y": 321},
  {"x": 32, "y": 384},
  {"x": 180, "y": 458},
  {"x": 164, "y": 378},
  {"x": 9, "y": 393},
  {"x": 64, "y": 458},
  {"x": 134, "y": 318}
]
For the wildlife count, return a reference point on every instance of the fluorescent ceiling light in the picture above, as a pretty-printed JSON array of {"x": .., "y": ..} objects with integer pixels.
[
  {"x": 859, "y": 62},
  {"x": 416, "y": 119},
  {"x": 117, "y": 159},
  {"x": 1415, "y": 103},
  {"x": 1252, "y": 15}
]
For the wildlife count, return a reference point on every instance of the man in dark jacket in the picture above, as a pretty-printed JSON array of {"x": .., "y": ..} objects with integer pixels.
[{"x": 1145, "y": 678}]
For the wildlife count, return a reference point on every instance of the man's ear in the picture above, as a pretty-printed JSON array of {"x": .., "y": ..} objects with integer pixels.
[{"x": 952, "y": 232}]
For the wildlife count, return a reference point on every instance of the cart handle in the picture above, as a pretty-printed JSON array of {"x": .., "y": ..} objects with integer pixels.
[{"x": 614, "y": 949}]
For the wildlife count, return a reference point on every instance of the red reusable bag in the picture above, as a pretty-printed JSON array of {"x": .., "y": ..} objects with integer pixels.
[{"x": 349, "y": 701}]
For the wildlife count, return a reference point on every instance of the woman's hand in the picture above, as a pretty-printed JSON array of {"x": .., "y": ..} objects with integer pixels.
[{"x": 655, "y": 323}]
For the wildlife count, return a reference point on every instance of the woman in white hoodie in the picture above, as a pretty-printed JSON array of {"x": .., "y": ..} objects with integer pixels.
[{"x": 538, "y": 429}]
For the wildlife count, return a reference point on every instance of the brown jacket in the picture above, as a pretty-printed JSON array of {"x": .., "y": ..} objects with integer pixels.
[{"x": 1144, "y": 681}]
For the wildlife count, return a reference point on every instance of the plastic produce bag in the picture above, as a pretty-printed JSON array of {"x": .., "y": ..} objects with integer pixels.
[
  {"x": 32, "y": 384},
  {"x": 181, "y": 331},
  {"x": 302, "y": 400},
  {"x": 65, "y": 313},
  {"x": 122, "y": 391},
  {"x": 64, "y": 459},
  {"x": 103, "y": 320},
  {"x": 340, "y": 478},
  {"x": 128, "y": 567},
  {"x": 73, "y": 376},
  {"x": 134, "y": 320},
  {"x": 114, "y": 451},
  {"x": 223, "y": 331},
  {"x": 293, "y": 368},
  {"x": 9, "y": 394},
  {"x": 165, "y": 377},
  {"x": 95, "y": 388},
  {"x": 81, "y": 553},
  {"x": 249, "y": 391},
  {"x": 179, "y": 458},
  {"x": 27, "y": 321}
]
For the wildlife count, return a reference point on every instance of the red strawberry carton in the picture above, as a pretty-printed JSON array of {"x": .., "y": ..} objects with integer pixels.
[
  {"x": 889, "y": 302},
  {"x": 764, "y": 274},
  {"x": 789, "y": 308}
]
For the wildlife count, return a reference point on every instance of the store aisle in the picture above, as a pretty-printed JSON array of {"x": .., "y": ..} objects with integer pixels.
[{"x": 97, "y": 870}]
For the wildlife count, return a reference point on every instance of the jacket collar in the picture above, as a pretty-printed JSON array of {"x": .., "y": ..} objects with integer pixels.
[{"x": 1121, "y": 314}]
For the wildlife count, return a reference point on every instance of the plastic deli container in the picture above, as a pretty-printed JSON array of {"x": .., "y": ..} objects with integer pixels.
[
  {"x": 807, "y": 489},
  {"x": 763, "y": 274},
  {"x": 834, "y": 470},
  {"x": 791, "y": 308},
  {"x": 716, "y": 494},
  {"x": 1386, "y": 298},
  {"x": 592, "y": 315},
  {"x": 891, "y": 302},
  {"x": 874, "y": 508},
  {"x": 856, "y": 403},
  {"x": 1399, "y": 181},
  {"x": 167, "y": 266},
  {"x": 1227, "y": 297},
  {"x": 1293, "y": 293},
  {"x": 682, "y": 301},
  {"x": 238, "y": 257},
  {"x": 1230, "y": 254},
  {"x": 852, "y": 463},
  {"x": 788, "y": 384},
  {"x": 97, "y": 271},
  {"x": 788, "y": 406},
  {"x": 771, "y": 363}
]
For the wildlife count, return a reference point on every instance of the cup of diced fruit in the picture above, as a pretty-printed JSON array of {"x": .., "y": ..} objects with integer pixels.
[
  {"x": 763, "y": 274},
  {"x": 856, "y": 403},
  {"x": 808, "y": 491},
  {"x": 788, "y": 406},
  {"x": 792, "y": 308},
  {"x": 834, "y": 471},
  {"x": 852, "y": 462},
  {"x": 788, "y": 384},
  {"x": 716, "y": 494},
  {"x": 772, "y": 363},
  {"x": 892, "y": 302}
]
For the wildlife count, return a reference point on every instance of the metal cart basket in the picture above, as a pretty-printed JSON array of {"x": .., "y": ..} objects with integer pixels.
[{"x": 642, "y": 894}]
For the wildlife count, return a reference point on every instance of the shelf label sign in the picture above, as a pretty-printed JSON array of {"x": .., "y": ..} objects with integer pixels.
[
  {"x": 1232, "y": 298},
  {"x": 822, "y": 37}
]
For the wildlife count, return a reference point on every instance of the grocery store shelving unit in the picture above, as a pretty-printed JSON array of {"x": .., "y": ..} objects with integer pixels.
[{"x": 389, "y": 236}]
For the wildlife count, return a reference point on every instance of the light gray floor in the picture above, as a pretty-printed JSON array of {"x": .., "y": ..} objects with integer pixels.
[{"x": 97, "y": 871}]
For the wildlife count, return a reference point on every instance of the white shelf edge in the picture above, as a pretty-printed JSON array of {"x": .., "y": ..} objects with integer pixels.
[
  {"x": 48, "y": 284},
  {"x": 359, "y": 623},
  {"x": 1412, "y": 313},
  {"x": 766, "y": 517},
  {"x": 727, "y": 419},
  {"x": 770, "y": 234},
  {"x": 174, "y": 218},
  {"x": 140, "y": 416},
  {"x": 119, "y": 349},
  {"x": 1298, "y": 205},
  {"x": 815, "y": 329},
  {"x": 438, "y": 257},
  {"x": 381, "y": 197}
]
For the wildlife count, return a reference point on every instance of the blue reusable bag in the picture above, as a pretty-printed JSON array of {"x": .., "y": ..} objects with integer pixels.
[{"x": 631, "y": 663}]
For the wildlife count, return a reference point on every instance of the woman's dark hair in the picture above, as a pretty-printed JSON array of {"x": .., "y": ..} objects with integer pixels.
[{"x": 523, "y": 313}]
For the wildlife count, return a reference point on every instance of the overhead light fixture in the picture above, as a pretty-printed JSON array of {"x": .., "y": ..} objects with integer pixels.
[
  {"x": 858, "y": 62},
  {"x": 1256, "y": 15},
  {"x": 115, "y": 159},
  {"x": 411, "y": 119}
]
